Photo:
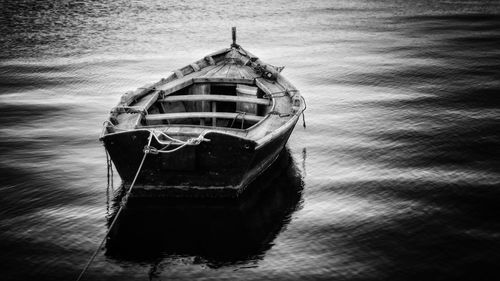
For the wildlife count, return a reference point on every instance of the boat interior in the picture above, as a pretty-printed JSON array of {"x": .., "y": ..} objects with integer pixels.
[
  {"x": 230, "y": 90},
  {"x": 223, "y": 105}
]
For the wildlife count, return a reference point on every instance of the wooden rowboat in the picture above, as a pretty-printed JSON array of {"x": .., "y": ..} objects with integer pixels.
[{"x": 209, "y": 129}]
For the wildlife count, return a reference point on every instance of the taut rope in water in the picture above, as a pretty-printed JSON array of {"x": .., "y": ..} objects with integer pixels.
[{"x": 124, "y": 201}]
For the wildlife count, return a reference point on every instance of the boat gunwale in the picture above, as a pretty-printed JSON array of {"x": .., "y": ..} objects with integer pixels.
[
  {"x": 152, "y": 129},
  {"x": 281, "y": 129}
]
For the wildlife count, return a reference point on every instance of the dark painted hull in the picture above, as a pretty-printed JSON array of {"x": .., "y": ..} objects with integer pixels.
[
  {"x": 222, "y": 167},
  {"x": 220, "y": 231}
]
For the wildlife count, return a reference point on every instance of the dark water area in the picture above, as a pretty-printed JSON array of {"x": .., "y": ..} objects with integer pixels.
[{"x": 396, "y": 176}]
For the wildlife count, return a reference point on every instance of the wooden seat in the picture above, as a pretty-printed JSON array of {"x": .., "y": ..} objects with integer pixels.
[
  {"x": 221, "y": 98},
  {"x": 185, "y": 115}
]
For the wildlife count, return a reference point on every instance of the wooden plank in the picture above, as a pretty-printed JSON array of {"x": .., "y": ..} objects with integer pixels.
[
  {"x": 282, "y": 101},
  {"x": 125, "y": 109},
  {"x": 127, "y": 121},
  {"x": 222, "y": 98},
  {"x": 129, "y": 97},
  {"x": 192, "y": 130},
  {"x": 202, "y": 106},
  {"x": 244, "y": 73},
  {"x": 233, "y": 72},
  {"x": 214, "y": 110},
  {"x": 176, "y": 85},
  {"x": 279, "y": 129},
  {"x": 223, "y": 80},
  {"x": 148, "y": 100},
  {"x": 222, "y": 72},
  {"x": 189, "y": 69},
  {"x": 165, "y": 80},
  {"x": 248, "y": 72},
  {"x": 186, "y": 115},
  {"x": 214, "y": 70},
  {"x": 194, "y": 67},
  {"x": 270, "y": 88}
]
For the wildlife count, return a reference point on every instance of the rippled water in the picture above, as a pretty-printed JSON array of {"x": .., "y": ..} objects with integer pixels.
[{"x": 396, "y": 176}]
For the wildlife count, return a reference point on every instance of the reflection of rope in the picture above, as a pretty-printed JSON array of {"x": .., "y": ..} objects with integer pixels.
[{"x": 124, "y": 201}]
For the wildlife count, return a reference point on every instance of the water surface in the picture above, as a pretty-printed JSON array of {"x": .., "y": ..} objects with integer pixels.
[{"x": 395, "y": 177}]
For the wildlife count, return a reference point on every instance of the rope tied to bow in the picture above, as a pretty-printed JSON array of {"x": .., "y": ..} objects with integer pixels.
[
  {"x": 191, "y": 141},
  {"x": 122, "y": 205}
]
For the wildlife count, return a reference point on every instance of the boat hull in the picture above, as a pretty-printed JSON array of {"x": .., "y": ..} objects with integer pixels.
[
  {"x": 221, "y": 167},
  {"x": 224, "y": 230}
]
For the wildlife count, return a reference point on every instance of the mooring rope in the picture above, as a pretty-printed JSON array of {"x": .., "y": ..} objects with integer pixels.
[
  {"x": 304, "y": 114},
  {"x": 124, "y": 201},
  {"x": 191, "y": 141},
  {"x": 243, "y": 113},
  {"x": 110, "y": 181}
]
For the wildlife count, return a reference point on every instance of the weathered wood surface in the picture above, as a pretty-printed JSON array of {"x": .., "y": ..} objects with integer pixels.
[
  {"x": 183, "y": 115},
  {"x": 222, "y": 161},
  {"x": 224, "y": 80},
  {"x": 214, "y": 70},
  {"x": 147, "y": 101},
  {"x": 180, "y": 83},
  {"x": 221, "y": 98},
  {"x": 223, "y": 71},
  {"x": 226, "y": 70},
  {"x": 127, "y": 121},
  {"x": 248, "y": 72},
  {"x": 233, "y": 72},
  {"x": 202, "y": 105},
  {"x": 193, "y": 130}
]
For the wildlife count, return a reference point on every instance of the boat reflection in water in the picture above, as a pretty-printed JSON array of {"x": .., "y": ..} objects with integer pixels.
[{"x": 217, "y": 232}]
